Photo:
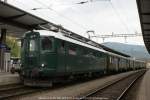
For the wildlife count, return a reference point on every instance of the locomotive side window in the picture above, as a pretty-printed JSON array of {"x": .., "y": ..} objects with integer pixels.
[
  {"x": 72, "y": 50},
  {"x": 46, "y": 43}
]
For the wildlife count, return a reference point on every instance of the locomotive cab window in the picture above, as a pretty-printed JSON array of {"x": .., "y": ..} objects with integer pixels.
[{"x": 47, "y": 43}]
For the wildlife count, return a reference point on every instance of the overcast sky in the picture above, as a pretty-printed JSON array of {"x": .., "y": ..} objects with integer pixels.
[{"x": 102, "y": 16}]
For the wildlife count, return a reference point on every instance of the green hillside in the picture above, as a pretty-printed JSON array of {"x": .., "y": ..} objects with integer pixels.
[{"x": 137, "y": 51}]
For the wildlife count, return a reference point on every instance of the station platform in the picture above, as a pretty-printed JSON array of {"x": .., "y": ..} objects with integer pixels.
[
  {"x": 8, "y": 78},
  {"x": 144, "y": 88}
]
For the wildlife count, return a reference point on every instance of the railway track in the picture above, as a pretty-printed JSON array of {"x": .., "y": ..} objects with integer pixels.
[
  {"x": 15, "y": 90},
  {"x": 113, "y": 90}
]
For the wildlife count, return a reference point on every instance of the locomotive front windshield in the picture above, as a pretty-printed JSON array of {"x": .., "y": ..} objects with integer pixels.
[
  {"x": 32, "y": 45},
  {"x": 47, "y": 44}
]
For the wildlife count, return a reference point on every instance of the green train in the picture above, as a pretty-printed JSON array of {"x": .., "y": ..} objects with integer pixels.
[{"x": 48, "y": 57}]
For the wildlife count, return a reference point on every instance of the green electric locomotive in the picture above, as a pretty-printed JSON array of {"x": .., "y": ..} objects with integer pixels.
[{"x": 48, "y": 57}]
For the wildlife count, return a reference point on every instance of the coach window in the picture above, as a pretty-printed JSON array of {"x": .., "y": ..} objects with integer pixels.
[{"x": 46, "y": 43}]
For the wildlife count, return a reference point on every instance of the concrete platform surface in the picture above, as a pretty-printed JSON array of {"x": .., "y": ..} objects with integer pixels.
[
  {"x": 144, "y": 88},
  {"x": 8, "y": 78}
]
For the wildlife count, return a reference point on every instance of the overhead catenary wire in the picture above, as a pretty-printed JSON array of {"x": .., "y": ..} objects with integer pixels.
[
  {"x": 79, "y": 25},
  {"x": 17, "y": 2},
  {"x": 115, "y": 11},
  {"x": 117, "y": 14},
  {"x": 124, "y": 13},
  {"x": 47, "y": 7},
  {"x": 59, "y": 14},
  {"x": 27, "y": 7}
]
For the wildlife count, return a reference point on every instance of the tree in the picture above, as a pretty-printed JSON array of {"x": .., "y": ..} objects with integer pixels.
[{"x": 12, "y": 43}]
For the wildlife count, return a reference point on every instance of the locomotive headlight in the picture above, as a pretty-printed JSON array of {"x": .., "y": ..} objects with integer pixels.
[{"x": 43, "y": 65}]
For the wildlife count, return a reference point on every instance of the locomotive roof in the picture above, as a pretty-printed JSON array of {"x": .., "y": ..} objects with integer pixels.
[{"x": 60, "y": 35}]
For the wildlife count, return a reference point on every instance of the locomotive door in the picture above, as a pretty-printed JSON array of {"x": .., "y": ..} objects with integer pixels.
[
  {"x": 32, "y": 50},
  {"x": 61, "y": 57}
]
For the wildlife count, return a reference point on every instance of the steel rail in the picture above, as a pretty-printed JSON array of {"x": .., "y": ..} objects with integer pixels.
[
  {"x": 106, "y": 86},
  {"x": 130, "y": 85},
  {"x": 11, "y": 88},
  {"x": 18, "y": 91}
]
